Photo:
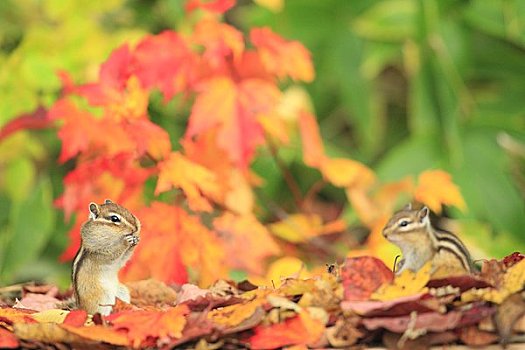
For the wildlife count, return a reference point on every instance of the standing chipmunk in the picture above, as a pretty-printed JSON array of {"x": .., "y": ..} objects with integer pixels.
[
  {"x": 411, "y": 230},
  {"x": 108, "y": 240}
]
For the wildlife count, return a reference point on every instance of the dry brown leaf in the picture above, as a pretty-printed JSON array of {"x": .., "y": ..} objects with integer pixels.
[
  {"x": 511, "y": 282},
  {"x": 45, "y": 332},
  {"x": 151, "y": 293},
  {"x": 38, "y": 302},
  {"x": 508, "y": 314},
  {"x": 473, "y": 336},
  {"x": 429, "y": 321},
  {"x": 344, "y": 333}
]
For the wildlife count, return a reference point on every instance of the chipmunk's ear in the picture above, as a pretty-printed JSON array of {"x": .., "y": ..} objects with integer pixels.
[
  {"x": 94, "y": 210},
  {"x": 108, "y": 201},
  {"x": 422, "y": 214},
  {"x": 408, "y": 206}
]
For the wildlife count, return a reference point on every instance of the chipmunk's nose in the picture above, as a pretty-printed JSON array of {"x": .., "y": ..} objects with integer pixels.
[{"x": 385, "y": 234}]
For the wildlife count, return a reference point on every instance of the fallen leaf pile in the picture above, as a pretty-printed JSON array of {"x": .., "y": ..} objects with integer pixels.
[{"x": 360, "y": 303}]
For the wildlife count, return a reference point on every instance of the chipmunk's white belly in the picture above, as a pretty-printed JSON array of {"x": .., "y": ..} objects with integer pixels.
[{"x": 110, "y": 285}]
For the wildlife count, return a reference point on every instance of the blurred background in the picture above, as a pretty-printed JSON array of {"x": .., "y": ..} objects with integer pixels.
[{"x": 401, "y": 85}]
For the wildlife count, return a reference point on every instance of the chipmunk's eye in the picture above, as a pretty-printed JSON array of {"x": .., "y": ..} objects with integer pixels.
[
  {"x": 114, "y": 218},
  {"x": 403, "y": 223}
]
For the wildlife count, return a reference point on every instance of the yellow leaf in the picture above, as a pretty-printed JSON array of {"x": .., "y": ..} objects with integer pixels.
[
  {"x": 513, "y": 282},
  {"x": 301, "y": 227},
  {"x": 233, "y": 315},
  {"x": 435, "y": 187},
  {"x": 50, "y": 316},
  {"x": 344, "y": 172},
  {"x": 281, "y": 269},
  {"x": 406, "y": 284}
]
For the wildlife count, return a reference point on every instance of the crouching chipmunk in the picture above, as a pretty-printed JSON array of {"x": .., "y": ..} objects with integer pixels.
[
  {"x": 411, "y": 230},
  {"x": 108, "y": 240}
]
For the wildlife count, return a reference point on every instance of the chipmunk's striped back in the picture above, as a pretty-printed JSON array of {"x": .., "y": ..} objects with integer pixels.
[
  {"x": 448, "y": 241},
  {"x": 411, "y": 230}
]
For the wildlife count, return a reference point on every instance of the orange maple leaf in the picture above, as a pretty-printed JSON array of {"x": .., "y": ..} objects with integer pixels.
[
  {"x": 221, "y": 42},
  {"x": 281, "y": 57},
  {"x": 196, "y": 181},
  {"x": 248, "y": 243},
  {"x": 233, "y": 107},
  {"x": 99, "y": 334},
  {"x": 313, "y": 148},
  {"x": 435, "y": 187},
  {"x": 171, "y": 245},
  {"x": 302, "y": 329},
  {"x": 81, "y": 132},
  {"x": 235, "y": 192},
  {"x": 142, "y": 324}
]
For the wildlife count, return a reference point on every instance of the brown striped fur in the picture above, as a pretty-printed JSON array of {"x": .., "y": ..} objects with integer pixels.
[{"x": 411, "y": 230}]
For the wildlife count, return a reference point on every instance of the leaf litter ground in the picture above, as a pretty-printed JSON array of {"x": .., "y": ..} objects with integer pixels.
[{"x": 359, "y": 304}]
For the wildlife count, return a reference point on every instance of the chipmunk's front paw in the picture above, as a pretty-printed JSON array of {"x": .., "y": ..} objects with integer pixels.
[{"x": 132, "y": 240}]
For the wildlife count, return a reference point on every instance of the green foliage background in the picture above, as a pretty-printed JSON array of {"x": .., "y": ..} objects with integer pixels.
[{"x": 402, "y": 85}]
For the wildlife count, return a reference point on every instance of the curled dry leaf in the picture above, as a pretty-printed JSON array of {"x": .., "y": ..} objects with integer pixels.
[
  {"x": 38, "y": 302},
  {"x": 511, "y": 282},
  {"x": 397, "y": 307},
  {"x": 429, "y": 321},
  {"x": 464, "y": 282},
  {"x": 344, "y": 333}
]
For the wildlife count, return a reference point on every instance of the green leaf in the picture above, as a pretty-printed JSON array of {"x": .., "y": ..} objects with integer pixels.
[
  {"x": 409, "y": 158},
  {"x": 19, "y": 176},
  {"x": 32, "y": 223},
  {"x": 486, "y": 184},
  {"x": 387, "y": 21}
]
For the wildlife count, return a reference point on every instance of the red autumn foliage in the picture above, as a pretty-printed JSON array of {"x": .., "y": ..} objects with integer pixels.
[{"x": 362, "y": 276}]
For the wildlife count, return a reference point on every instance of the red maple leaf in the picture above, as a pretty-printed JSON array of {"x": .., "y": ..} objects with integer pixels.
[
  {"x": 217, "y": 6},
  {"x": 164, "y": 61},
  {"x": 233, "y": 108}
]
